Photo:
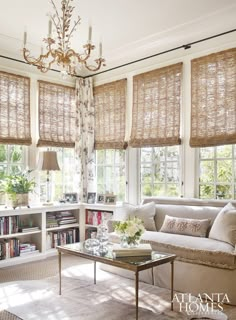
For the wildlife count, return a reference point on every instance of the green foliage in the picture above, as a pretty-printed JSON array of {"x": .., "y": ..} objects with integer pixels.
[{"x": 17, "y": 183}]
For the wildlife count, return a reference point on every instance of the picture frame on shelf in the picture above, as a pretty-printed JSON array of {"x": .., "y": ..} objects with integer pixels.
[
  {"x": 100, "y": 198},
  {"x": 71, "y": 197},
  {"x": 91, "y": 197},
  {"x": 110, "y": 199}
]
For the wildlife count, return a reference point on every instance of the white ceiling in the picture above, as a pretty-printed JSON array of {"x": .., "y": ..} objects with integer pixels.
[{"x": 129, "y": 29}]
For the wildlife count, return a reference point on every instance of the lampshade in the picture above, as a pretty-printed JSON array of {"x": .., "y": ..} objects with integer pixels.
[{"x": 48, "y": 161}]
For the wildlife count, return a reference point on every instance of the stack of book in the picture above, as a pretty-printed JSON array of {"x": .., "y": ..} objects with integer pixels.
[
  {"x": 28, "y": 229},
  {"x": 143, "y": 250},
  {"x": 65, "y": 217},
  {"x": 60, "y": 218},
  {"x": 51, "y": 220},
  {"x": 27, "y": 248}
]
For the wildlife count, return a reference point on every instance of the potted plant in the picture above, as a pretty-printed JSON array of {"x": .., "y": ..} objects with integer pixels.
[{"x": 17, "y": 188}]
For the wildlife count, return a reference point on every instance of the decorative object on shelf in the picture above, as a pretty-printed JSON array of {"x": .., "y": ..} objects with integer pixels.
[
  {"x": 58, "y": 46},
  {"x": 71, "y": 197},
  {"x": 102, "y": 236},
  {"x": 110, "y": 199},
  {"x": 48, "y": 162},
  {"x": 100, "y": 198},
  {"x": 17, "y": 187},
  {"x": 130, "y": 232},
  {"x": 91, "y": 197}
]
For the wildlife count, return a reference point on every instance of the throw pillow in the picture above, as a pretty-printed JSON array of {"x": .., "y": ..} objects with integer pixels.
[
  {"x": 224, "y": 226},
  {"x": 190, "y": 227},
  {"x": 145, "y": 212}
]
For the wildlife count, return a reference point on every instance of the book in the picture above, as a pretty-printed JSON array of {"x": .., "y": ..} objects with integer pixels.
[{"x": 144, "y": 249}]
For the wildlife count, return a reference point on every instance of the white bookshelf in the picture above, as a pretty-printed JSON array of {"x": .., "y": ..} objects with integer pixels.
[{"x": 37, "y": 216}]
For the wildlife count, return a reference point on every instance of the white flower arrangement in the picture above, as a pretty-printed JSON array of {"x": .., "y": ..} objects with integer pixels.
[{"x": 132, "y": 229}]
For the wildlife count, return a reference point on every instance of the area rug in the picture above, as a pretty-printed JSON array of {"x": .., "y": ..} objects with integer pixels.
[{"x": 112, "y": 298}]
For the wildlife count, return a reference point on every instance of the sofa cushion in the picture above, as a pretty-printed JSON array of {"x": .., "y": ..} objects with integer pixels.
[
  {"x": 145, "y": 212},
  {"x": 224, "y": 226},
  {"x": 190, "y": 249},
  {"x": 185, "y": 226}
]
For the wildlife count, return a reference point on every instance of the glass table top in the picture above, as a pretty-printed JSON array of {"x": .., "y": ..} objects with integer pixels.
[{"x": 107, "y": 253}]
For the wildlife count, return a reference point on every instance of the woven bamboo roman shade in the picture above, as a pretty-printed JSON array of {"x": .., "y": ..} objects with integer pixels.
[
  {"x": 110, "y": 108},
  {"x": 156, "y": 107},
  {"x": 14, "y": 109},
  {"x": 213, "y": 113},
  {"x": 56, "y": 115}
]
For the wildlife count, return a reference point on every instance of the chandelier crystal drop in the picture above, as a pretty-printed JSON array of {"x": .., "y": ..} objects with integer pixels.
[{"x": 58, "y": 47}]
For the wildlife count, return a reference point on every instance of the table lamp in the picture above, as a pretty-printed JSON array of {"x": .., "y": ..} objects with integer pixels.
[{"x": 48, "y": 162}]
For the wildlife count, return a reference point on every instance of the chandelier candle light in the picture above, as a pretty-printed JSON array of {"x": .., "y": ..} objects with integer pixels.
[{"x": 59, "y": 49}]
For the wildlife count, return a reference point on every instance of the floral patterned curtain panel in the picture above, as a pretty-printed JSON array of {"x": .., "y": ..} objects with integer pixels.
[{"x": 84, "y": 140}]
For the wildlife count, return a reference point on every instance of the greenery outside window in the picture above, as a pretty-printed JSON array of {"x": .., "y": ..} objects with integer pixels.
[
  {"x": 12, "y": 161},
  {"x": 63, "y": 180},
  {"x": 217, "y": 172},
  {"x": 160, "y": 171},
  {"x": 110, "y": 171}
]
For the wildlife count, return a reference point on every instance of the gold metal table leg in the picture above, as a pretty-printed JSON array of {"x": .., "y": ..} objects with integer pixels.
[
  {"x": 136, "y": 292},
  {"x": 59, "y": 263},
  {"x": 172, "y": 285},
  {"x": 94, "y": 278}
]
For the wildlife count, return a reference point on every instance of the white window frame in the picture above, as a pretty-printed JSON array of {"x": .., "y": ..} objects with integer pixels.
[
  {"x": 113, "y": 166},
  {"x": 215, "y": 182},
  {"x": 180, "y": 161}
]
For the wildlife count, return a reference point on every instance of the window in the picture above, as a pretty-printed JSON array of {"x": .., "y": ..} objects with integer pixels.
[
  {"x": 12, "y": 160},
  {"x": 217, "y": 178},
  {"x": 63, "y": 180},
  {"x": 160, "y": 171},
  {"x": 111, "y": 177}
]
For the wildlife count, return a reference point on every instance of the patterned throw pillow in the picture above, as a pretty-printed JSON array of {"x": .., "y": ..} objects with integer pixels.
[{"x": 185, "y": 226}]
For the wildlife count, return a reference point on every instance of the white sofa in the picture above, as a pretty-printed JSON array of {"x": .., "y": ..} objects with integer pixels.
[{"x": 203, "y": 264}]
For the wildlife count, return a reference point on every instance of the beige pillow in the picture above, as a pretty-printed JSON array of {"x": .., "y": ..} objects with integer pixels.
[
  {"x": 224, "y": 226},
  {"x": 145, "y": 212},
  {"x": 185, "y": 226}
]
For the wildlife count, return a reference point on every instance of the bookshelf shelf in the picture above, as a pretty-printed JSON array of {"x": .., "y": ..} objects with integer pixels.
[
  {"x": 65, "y": 226},
  {"x": 41, "y": 217},
  {"x": 19, "y": 234}
]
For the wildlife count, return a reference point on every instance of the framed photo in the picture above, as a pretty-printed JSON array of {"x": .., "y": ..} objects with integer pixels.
[
  {"x": 91, "y": 197},
  {"x": 110, "y": 199},
  {"x": 100, "y": 198},
  {"x": 71, "y": 197}
]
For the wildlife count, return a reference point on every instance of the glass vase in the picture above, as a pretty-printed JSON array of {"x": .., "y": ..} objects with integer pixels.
[{"x": 129, "y": 242}]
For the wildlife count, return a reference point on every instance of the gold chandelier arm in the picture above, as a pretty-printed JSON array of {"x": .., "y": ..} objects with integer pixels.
[{"x": 100, "y": 62}]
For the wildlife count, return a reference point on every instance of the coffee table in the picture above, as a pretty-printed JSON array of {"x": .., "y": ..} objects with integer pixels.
[{"x": 135, "y": 264}]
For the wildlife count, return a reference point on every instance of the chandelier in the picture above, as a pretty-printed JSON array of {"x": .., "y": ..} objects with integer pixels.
[{"x": 58, "y": 47}]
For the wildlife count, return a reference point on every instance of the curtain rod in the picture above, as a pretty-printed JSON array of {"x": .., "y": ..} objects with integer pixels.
[{"x": 185, "y": 46}]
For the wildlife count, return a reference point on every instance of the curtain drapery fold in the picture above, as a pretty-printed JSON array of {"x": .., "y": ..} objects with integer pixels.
[{"x": 84, "y": 138}]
